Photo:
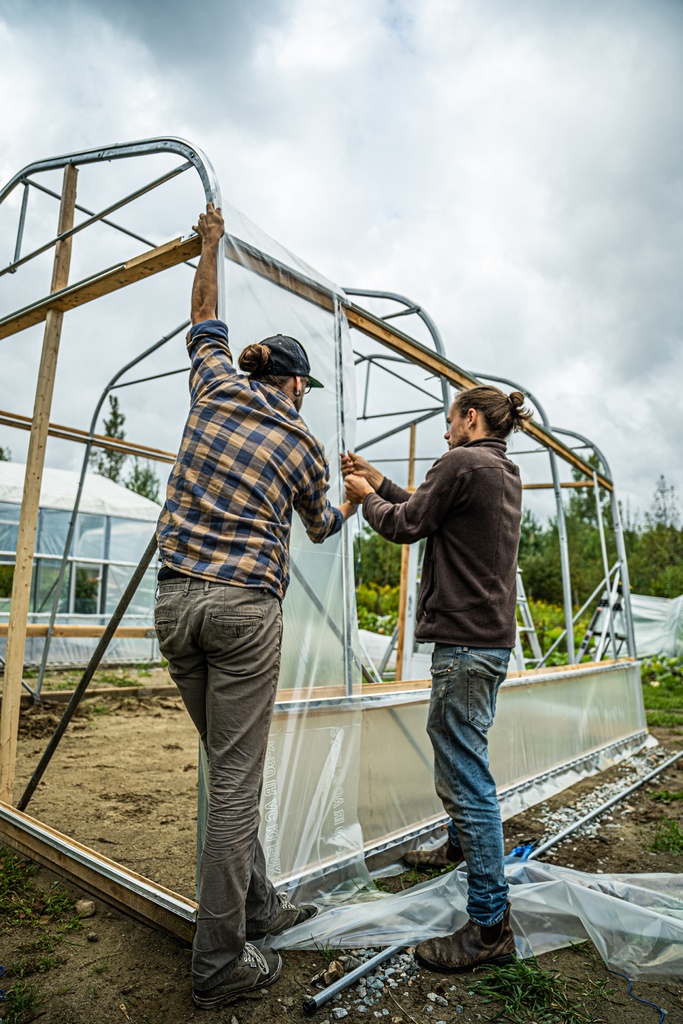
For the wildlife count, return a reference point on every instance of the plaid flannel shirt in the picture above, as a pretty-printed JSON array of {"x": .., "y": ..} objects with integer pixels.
[{"x": 246, "y": 460}]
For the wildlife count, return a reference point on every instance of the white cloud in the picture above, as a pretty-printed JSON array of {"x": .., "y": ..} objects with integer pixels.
[{"x": 515, "y": 168}]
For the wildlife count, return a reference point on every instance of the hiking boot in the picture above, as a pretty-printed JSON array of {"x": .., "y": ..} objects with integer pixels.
[
  {"x": 255, "y": 968},
  {"x": 474, "y": 945},
  {"x": 288, "y": 916},
  {"x": 440, "y": 857}
]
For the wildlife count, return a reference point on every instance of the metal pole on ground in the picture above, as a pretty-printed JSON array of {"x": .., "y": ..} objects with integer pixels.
[{"x": 90, "y": 670}]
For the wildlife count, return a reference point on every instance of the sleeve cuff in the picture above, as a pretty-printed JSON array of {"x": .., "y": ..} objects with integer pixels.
[
  {"x": 214, "y": 328},
  {"x": 338, "y": 521}
]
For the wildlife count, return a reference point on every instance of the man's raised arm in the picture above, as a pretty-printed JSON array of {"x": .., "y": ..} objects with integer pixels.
[{"x": 205, "y": 287}]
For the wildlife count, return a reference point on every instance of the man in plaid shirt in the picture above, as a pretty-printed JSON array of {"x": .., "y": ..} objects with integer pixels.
[{"x": 246, "y": 460}]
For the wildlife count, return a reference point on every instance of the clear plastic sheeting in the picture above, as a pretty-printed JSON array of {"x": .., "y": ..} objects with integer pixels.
[
  {"x": 309, "y": 816},
  {"x": 658, "y": 625},
  {"x": 635, "y": 921},
  {"x": 551, "y": 726}
]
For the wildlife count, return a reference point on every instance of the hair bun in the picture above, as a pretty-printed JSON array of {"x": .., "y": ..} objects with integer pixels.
[
  {"x": 254, "y": 359},
  {"x": 516, "y": 399}
]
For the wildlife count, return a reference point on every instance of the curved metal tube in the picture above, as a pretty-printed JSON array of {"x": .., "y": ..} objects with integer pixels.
[
  {"x": 561, "y": 524},
  {"x": 618, "y": 536},
  {"x": 212, "y": 194},
  {"x": 423, "y": 315},
  {"x": 125, "y": 150}
]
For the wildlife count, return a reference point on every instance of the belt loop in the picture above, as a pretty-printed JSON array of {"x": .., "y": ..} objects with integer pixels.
[{"x": 187, "y": 586}]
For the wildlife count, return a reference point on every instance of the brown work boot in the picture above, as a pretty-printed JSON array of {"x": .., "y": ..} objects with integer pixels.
[
  {"x": 473, "y": 945},
  {"x": 439, "y": 857}
]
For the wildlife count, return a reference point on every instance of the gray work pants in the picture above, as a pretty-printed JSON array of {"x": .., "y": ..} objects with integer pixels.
[{"x": 223, "y": 648}]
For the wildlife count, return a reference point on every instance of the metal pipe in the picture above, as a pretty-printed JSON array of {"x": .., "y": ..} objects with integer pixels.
[
  {"x": 397, "y": 430},
  {"x": 90, "y": 669},
  {"x": 371, "y": 360},
  {"x": 618, "y": 537},
  {"x": 11, "y": 269},
  {"x": 426, "y": 319},
  {"x": 105, "y": 220},
  {"x": 561, "y": 524},
  {"x": 554, "y": 840},
  {"x": 22, "y": 221},
  {"x": 314, "y": 1003},
  {"x": 122, "y": 151},
  {"x": 79, "y": 493}
]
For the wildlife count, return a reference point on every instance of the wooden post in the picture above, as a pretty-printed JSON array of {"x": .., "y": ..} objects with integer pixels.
[
  {"x": 405, "y": 554},
  {"x": 26, "y": 541}
]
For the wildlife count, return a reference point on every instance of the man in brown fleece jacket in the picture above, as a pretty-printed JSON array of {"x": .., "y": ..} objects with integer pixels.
[{"x": 469, "y": 509}]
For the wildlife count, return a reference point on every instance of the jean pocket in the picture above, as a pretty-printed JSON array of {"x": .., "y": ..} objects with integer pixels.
[
  {"x": 443, "y": 659},
  {"x": 483, "y": 680}
]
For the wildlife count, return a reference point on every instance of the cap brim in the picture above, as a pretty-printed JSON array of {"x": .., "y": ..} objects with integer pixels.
[{"x": 314, "y": 383}]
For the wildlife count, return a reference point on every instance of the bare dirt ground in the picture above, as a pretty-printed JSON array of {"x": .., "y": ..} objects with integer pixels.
[{"x": 124, "y": 782}]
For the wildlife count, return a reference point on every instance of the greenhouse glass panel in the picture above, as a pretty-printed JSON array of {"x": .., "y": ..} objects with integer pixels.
[
  {"x": 87, "y": 589},
  {"x": 9, "y": 527},
  {"x": 90, "y": 536},
  {"x": 53, "y": 527},
  {"x": 128, "y": 539},
  {"x": 47, "y": 573}
]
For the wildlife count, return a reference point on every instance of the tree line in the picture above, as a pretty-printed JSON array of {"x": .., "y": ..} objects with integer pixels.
[{"x": 654, "y": 546}]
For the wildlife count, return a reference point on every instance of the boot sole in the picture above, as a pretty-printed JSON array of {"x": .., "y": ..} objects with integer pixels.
[
  {"x": 232, "y": 997},
  {"x": 496, "y": 961}
]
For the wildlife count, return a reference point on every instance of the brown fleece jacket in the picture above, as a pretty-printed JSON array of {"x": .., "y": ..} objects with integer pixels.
[{"x": 469, "y": 508}]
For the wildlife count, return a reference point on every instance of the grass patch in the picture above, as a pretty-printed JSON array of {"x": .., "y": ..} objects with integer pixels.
[
  {"x": 19, "y": 1000},
  {"x": 117, "y": 679},
  {"x": 668, "y": 837},
  {"x": 528, "y": 993},
  {"x": 34, "y": 965},
  {"x": 328, "y": 953},
  {"x": 664, "y": 719},
  {"x": 664, "y": 796},
  {"x": 99, "y": 709},
  {"x": 22, "y": 902}
]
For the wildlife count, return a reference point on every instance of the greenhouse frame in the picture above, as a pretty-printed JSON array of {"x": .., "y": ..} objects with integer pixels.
[{"x": 348, "y": 776}]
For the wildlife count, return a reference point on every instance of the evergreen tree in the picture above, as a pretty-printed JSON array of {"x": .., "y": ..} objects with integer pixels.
[
  {"x": 5, "y": 454},
  {"x": 106, "y": 462},
  {"x": 143, "y": 481}
]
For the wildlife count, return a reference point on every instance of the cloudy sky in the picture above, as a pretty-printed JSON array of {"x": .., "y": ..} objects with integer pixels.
[{"x": 517, "y": 168}]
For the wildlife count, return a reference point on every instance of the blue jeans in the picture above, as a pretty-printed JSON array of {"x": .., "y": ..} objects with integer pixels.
[{"x": 465, "y": 682}]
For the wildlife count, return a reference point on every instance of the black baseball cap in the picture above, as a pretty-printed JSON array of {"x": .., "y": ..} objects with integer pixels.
[{"x": 288, "y": 359}]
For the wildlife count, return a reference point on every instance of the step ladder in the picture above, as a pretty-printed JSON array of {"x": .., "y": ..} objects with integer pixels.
[
  {"x": 526, "y": 629},
  {"x": 599, "y": 624}
]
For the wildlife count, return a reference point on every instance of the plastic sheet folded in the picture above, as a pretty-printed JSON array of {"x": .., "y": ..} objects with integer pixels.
[{"x": 635, "y": 921}]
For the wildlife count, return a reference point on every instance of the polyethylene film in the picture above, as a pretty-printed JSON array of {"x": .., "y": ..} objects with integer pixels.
[
  {"x": 544, "y": 723},
  {"x": 309, "y": 817},
  {"x": 635, "y": 921}
]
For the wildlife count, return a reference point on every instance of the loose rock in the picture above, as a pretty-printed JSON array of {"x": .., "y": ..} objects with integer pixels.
[{"x": 85, "y": 908}]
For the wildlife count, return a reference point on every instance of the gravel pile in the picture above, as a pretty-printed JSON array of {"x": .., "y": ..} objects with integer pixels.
[
  {"x": 399, "y": 971},
  {"x": 632, "y": 769}
]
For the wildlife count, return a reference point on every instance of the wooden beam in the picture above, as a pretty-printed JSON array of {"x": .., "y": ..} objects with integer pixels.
[
  {"x": 28, "y": 519},
  {"x": 403, "y": 345},
  {"x": 13, "y": 419},
  {"x": 148, "y": 263},
  {"x": 549, "y": 487},
  {"x": 67, "y": 630},
  {"x": 124, "y": 889}
]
